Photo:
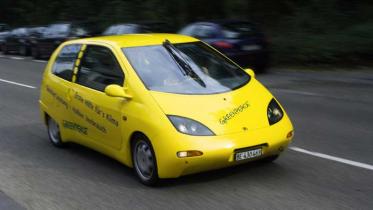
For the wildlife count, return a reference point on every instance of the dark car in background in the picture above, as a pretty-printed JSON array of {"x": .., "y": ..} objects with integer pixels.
[
  {"x": 137, "y": 28},
  {"x": 242, "y": 41},
  {"x": 3, "y": 36},
  {"x": 54, "y": 35},
  {"x": 20, "y": 40},
  {"x": 4, "y": 32}
]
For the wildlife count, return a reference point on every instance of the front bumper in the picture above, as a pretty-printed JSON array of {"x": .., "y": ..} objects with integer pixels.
[{"x": 218, "y": 151}]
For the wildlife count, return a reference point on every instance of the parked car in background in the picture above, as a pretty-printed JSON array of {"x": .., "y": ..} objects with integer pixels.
[
  {"x": 3, "y": 36},
  {"x": 137, "y": 28},
  {"x": 20, "y": 40},
  {"x": 54, "y": 35},
  {"x": 241, "y": 41}
]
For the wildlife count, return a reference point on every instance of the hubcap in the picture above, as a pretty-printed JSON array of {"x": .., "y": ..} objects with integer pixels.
[
  {"x": 54, "y": 131},
  {"x": 144, "y": 160}
]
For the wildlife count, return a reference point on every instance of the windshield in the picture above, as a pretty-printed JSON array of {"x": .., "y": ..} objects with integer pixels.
[{"x": 187, "y": 68}]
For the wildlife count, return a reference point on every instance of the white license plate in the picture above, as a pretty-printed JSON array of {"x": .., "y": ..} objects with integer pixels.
[
  {"x": 251, "y": 47},
  {"x": 248, "y": 154}
]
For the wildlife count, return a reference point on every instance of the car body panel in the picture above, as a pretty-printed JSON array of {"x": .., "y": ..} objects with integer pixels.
[{"x": 224, "y": 113}]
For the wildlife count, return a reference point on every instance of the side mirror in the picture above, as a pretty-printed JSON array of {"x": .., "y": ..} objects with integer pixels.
[
  {"x": 250, "y": 72},
  {"x": 116, "y": 91}
]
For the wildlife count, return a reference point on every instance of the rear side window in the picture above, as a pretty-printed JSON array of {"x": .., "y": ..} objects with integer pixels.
[
  {"x": 64, "y": 64},
  {"x": 99, "y": 68}
]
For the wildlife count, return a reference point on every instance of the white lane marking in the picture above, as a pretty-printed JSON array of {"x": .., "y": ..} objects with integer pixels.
[
  {"x": 329, "y": 157},
  {"x": 16, "y": 58},
  {"x": 40, "y": 61},
  {"x": 16, "y": 83},
  {"x": 297, "y": 92}
]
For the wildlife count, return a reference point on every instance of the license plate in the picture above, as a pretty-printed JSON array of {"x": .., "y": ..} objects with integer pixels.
[
  {"x": 251, "y": 47},
  {"x": 248, "y": 154}
]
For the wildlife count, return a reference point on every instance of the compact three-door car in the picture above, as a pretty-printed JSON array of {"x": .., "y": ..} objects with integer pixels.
[{"x": 166, "y": 105}]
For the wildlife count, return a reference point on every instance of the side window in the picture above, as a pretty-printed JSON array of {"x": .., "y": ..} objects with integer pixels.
[
  {"x": 111, "y": 30},
  {"x": 205, "y": 31},
  {"x": 64, "y": 63},
  {"x": 79, "y": 31},
  {"x": 99, "y": 68},
  {"x": 188, "y": 30}
]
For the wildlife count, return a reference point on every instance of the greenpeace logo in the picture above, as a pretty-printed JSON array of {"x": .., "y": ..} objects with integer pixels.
[{"x": 234, "y": 112}]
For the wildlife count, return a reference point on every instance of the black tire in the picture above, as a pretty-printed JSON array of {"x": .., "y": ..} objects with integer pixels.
[
  {"x": 144, "y": 160},
  {"x": 54, "y": 133}
]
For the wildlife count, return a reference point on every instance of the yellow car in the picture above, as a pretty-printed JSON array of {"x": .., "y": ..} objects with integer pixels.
[{"x": 167, "y": 105}]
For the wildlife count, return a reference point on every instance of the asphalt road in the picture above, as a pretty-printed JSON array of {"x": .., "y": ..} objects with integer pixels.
[{"x": 332, "y": 112}]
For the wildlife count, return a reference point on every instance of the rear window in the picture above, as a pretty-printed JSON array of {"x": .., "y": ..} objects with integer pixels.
[{"x": 239, "y": 29}]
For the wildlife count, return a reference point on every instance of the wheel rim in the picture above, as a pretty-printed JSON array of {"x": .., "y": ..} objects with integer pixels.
[
  {"x": 54, "y": 131},
  {"x": 144, "y": 163}
]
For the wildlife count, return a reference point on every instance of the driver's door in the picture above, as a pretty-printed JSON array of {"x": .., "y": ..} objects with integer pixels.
[{"x": 91, "y": 107}]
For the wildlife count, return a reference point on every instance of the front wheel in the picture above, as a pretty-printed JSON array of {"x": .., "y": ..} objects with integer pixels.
[
  {"x": 144, "y": 161},
  {"x": 54, "y": 133}
]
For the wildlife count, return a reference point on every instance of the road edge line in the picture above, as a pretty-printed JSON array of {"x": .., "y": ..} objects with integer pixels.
[{"x": 337, "y": 159}]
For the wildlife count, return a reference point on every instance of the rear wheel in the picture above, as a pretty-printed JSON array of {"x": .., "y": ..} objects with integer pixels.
[
  {"x": 54, "y": 133},
  {"x": 144, "y": 161}
]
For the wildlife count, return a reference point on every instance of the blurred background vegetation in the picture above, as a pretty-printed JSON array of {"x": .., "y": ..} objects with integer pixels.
[{"x": 307, "y": 32}]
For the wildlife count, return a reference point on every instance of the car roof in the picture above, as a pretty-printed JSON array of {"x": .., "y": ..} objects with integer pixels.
[{"x": 136, "y": 40}]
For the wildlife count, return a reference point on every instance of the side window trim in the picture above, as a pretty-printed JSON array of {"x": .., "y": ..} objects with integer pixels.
[
  {"x": 53, "y": 70},
  {"x": 78, "y": 62}
]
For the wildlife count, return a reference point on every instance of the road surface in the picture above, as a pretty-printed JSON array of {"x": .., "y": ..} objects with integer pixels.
[{"x": 328, "y": 166}]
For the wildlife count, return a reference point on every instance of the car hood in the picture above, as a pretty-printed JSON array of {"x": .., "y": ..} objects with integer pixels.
[{"x": 225, "y": 113}]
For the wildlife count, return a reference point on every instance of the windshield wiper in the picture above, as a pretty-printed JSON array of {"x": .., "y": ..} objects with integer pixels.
[{"x": 185, "y": 68}]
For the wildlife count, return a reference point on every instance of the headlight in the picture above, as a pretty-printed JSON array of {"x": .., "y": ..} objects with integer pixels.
[
  {"x": 189, "y": 126},
  {"x": 274, "y": 112}
]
